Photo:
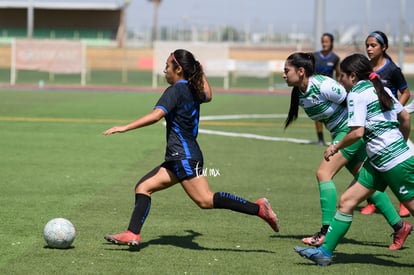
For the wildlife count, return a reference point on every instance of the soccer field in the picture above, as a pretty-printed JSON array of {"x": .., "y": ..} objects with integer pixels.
[{"x": 55, "y": 163}]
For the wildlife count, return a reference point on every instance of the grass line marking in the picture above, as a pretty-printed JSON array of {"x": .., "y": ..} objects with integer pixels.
[
  {"x": 242, "y": 116},
  {"x": 254, "y": 136}
]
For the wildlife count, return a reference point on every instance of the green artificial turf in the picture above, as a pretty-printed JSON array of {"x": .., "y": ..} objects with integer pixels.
[{"x": 54, "y": 162}]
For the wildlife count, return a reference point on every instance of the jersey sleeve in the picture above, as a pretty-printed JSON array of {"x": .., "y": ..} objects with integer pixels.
[
  {"x": 333, "y": 91},
  {"x": 168, "y": 100},
  {"x": 357, "y": 110},
  {"x": 398, "y": 79}
]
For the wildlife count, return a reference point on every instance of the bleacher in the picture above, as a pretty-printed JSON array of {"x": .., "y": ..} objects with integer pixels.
[
  {"x": 96, "y": 22},
  {"x": 58, "y": 33}
]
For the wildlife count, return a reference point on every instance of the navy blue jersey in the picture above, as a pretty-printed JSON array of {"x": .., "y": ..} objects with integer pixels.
[
  {"x": 182, "y": 110},
  {"x": 325, "y": 65},
  {"x": 392, "y": 77}
]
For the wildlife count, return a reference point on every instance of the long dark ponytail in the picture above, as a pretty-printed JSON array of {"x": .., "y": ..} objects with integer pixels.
[
  {"x": 307, "y": 62},
  {"x": 361, "y": 66},
  {"x": 192, "y": 70}
]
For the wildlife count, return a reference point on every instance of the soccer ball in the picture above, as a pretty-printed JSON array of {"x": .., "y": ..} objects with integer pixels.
[{"x": 59, "y": 233}]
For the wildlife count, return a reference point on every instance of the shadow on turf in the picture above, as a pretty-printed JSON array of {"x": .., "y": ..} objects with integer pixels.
[
  {"x": 59, "y": 248},
  {"x": 343, "y": 258},
  {"x": 371, "y": 259},
  {"x": 186, "y": 242},
  {"x": 298, "y": 238}
]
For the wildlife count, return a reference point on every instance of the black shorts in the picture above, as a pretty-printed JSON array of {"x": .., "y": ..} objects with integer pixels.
[{"x": 185, "y": 168}]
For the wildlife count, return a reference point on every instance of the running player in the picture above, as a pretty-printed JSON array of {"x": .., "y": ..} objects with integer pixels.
[
  {"x": 180, "y": 106},
  {"x": 378, "y": 117},
  {"x": 323, "y": 98}
]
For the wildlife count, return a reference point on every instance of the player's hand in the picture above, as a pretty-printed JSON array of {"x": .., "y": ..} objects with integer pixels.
[
  {"x": 330, "y": 151},
  {"x": 113, "y": 130}
]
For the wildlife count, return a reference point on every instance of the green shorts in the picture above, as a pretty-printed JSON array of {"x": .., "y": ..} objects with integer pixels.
[
  {"x": 355, "y": 153},
  {"x": 400, "y": 179}
]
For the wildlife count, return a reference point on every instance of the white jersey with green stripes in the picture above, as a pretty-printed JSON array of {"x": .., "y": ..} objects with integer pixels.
[
  {"x": 386, "y": 146},
  {"x": 324, "y": 101}
]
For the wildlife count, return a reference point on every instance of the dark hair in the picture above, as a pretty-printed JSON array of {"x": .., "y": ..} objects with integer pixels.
[
  {"x": 192, "y": 71},
  {"x": 331, "y": 37},
  {"x": 361, "y": 66},
  {"x": 307, "y": 62},
  {"x": 382, "y": 39}
]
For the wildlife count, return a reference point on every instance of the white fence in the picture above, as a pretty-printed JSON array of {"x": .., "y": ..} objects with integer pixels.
[
  {"x": 213, "y": 57},
  {"x": 216, "y": 62}
]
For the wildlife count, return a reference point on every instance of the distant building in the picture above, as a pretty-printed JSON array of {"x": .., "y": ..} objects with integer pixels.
[{"x": 94, "y": 21}]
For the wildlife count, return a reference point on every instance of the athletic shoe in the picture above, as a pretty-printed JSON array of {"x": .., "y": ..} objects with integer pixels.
[
  {"x": 124, "y": 238},
  {"x": 267, "y": 214},
  {"x": 315, "y": 240},
  {"x": 368, "y": 209},
  {"x": 404, "y": 211},
  {"x": 319, "y": 256},
  {"x": 400, "y": 236}
]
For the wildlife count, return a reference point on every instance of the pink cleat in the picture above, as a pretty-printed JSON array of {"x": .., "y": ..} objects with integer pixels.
[
  {"x": 400, "y": 236},
  {"x": 267, "y": 214},
  {"x": 124, "y": 238}
]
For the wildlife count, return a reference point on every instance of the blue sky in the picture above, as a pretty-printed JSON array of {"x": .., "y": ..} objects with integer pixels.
[{"x": 276, "y": 15}]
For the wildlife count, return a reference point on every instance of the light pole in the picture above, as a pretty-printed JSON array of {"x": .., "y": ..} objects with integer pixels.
[
  {"x": 155, "y": 21},
  {"x": 319, "y": 21},
  {"x": 30, "y": 19},
  {"x": 122, "y": 28},
  {"x": 402, "y": 32}
]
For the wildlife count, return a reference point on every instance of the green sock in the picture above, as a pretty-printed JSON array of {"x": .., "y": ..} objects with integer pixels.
[
  {"x": 327, "y": 195},
  {"x": 383, "y": 204},
  {"x": 337, "y": 230}
]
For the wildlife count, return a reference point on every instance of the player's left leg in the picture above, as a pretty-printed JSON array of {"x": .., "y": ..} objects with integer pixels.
[
  {"x": 339, "y": 226},
  {"x": 157, "y": 179},
  {"x": 327, "y": 195},
  {"x": 199, "y": 191}
]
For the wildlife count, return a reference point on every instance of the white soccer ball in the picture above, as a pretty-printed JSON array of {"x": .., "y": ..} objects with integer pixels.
[{"x": 59, "y": 233}]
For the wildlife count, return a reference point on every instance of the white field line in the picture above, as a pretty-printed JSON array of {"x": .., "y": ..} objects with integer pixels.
[
  {"x": 247, "y": 135},
  {"x": 253, "y": 136},
  {"x": 229, "y": 117}
]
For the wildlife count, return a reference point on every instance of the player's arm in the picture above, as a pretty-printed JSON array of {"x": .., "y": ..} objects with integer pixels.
[
  {"x": 404, "y": 96},
  {"x": 143, "y": 121},
  {"x": 354, "y": 134},
  {"x": 207, "y": 89},
  {"x": 398, "y": 80},
  {"x": 405, "y": 123}
]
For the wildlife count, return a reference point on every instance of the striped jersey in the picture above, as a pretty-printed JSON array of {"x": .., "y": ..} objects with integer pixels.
[
  {"x": 324, "y": 101},
  {"x": 385, "y": 144}
]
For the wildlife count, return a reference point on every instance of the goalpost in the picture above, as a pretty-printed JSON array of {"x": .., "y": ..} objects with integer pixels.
[{"x": 53, "y": 56}]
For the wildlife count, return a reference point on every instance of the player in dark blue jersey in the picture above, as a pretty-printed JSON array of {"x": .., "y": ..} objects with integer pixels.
[
  {"x": 180, "y": 106},
  {"x": 391, "y": 76},
  {"x": 326, "y": 62}
]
